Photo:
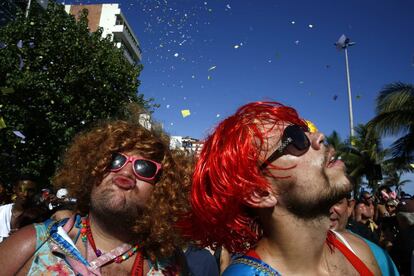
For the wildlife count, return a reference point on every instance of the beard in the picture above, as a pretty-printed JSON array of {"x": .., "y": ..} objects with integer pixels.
[
  {"x": 114, "y": 209},
  {"x": 304, "y": 205}
]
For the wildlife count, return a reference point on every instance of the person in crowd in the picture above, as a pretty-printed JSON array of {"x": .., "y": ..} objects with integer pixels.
[
  {"x": 129, "y": 195},
  {"x": 4, "y": 195},
  {"x": 339, "y": 215},
  {"x": 364, "y": 224},
  {"x": 22, "y": 211},
  {"x": 382, "y": 196},
  {"x": 391, "y": 207},
  {"x": 263, "y": 186},
  {"x": 403, "y": 248}
]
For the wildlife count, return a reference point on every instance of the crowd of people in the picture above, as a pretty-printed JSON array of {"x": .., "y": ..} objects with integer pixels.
[{"x": 266, "y": 196}]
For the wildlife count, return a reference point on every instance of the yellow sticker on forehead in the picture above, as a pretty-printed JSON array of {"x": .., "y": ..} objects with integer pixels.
[{"x": 311, "y": 126}]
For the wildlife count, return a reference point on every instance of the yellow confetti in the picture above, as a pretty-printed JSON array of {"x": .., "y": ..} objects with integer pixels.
[
  {"x": 185, "y": 113},
  {"x": 2, "y": 123}
]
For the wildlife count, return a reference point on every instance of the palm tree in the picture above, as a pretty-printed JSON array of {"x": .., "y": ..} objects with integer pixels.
[
  {"x": 395, "y": 116},
  {"x": 361, "y": 158}
]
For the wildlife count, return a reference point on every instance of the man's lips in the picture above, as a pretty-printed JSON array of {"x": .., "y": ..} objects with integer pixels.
[
  {"x": 332, "y": 160},
  {"x": 123, "y": 182}
]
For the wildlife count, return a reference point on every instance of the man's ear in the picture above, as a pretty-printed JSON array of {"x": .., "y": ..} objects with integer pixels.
[{"x": 262, "y": 199}]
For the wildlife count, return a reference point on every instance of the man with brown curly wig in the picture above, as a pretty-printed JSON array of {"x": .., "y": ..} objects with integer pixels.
[{"x": 129, "y": 196}]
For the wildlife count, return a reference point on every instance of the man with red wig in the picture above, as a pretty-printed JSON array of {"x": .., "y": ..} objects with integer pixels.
[{"x": 263, "y": 187}]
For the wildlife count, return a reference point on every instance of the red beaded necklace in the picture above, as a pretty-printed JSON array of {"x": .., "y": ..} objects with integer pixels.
[{"x": 86, "y": 235}]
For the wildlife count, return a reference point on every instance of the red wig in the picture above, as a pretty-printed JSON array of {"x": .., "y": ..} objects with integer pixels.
[{"x": 227, "y": 172}]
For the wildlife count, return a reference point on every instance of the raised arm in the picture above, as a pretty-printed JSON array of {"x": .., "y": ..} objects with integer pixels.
[{"x": 17, "y": 249}]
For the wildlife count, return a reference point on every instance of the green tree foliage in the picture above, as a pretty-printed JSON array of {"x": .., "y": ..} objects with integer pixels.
[
  {"x": 395, "y": 116},
  {"x": 56, "y": 78},
  {"x": 360, "y": 158}
]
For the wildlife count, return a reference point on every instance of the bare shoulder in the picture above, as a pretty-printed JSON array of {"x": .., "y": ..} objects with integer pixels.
[
  {"x": 363, "y": 251},
  {"x": 23, "y": 242}
]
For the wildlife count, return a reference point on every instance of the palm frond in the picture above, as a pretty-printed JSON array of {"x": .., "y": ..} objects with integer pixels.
[{"x": 395, "y": 96}]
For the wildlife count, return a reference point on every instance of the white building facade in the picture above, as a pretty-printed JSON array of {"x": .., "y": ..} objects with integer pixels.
[{"x": 110, "y": 18}]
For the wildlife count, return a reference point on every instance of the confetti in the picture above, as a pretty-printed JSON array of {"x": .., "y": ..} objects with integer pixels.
[
  {"x": 2, "y": 123},
  {"x": 19, "y": 134},
  {"x": 21, "y": 62},
  {"x": 185, "y": 113}
]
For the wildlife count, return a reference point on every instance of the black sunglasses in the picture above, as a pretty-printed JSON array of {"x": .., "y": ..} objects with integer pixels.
[
  {"x": 144, "y": 169},
  {"x": 294, "y": 142}
]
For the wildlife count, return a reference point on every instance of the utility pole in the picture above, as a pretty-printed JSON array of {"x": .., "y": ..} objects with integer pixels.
[{"x": 342, "y": 44}]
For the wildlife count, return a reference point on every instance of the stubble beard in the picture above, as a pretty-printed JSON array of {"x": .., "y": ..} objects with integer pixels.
[
  {"x": 306, "y": 207},
  {"x": 113, "y": 212}
]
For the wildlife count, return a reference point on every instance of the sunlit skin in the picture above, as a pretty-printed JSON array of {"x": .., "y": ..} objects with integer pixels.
[
  {"x": 122, "y": 190},
  {"x": 340, "y": 213},
  {"x": 313, "y": 177}
]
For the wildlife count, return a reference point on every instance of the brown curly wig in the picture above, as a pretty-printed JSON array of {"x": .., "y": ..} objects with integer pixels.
[{"x": 87, "y": 159}]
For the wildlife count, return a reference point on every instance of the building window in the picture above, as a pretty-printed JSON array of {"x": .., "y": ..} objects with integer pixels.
[{"x": 119, "y": 20}]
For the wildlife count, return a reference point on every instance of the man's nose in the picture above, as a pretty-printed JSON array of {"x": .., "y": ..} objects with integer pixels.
[
  {"x": 128, "y": 169},
  {"x": 317, "y": 140}
]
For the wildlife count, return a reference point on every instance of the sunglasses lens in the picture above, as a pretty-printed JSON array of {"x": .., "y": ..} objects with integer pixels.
[
  {"x": 117, "y": 162},
  {"x": 145, "y": 168},
  {"x": 299, "y": 139}
]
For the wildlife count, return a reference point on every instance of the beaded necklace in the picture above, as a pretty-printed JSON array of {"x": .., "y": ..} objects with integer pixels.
[{"x": 86, "y": 235}]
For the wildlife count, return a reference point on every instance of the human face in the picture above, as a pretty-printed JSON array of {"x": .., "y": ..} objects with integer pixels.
[
  {"x": 339, "y": 214},
  {"x": 25, "y": 190},
  {"x": 121, "y": 194},
  {"x": 311, "y": 182},
  {"x": 294, "y": 141},
  {"x": 144, "y": 169}
]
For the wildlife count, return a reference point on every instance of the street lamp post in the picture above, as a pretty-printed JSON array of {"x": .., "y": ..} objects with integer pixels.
[{"x": 343, "y": 43}]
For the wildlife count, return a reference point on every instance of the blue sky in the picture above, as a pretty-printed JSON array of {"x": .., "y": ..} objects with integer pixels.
[{"x": 268, "y": 50}]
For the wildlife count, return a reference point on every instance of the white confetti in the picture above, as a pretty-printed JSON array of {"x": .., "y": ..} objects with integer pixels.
[{"x": 19, "y": 134}]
